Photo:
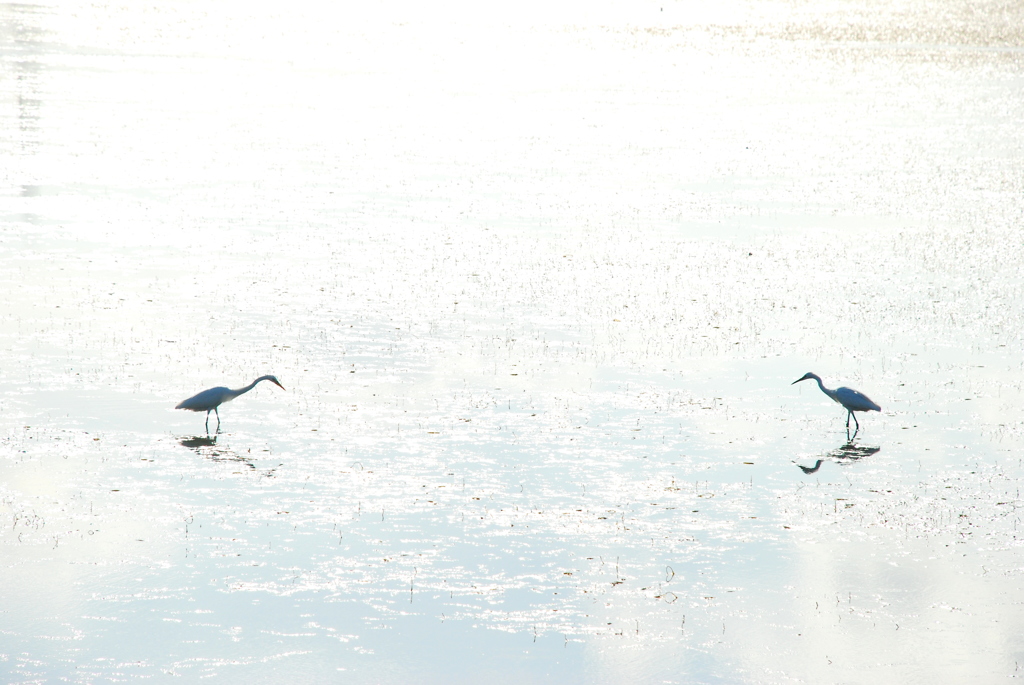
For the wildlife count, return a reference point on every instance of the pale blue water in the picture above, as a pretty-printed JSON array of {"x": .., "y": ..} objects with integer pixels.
[{"x": 537, "y": 287}]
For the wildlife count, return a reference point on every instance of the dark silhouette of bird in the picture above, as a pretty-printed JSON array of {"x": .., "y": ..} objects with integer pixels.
[
  {"x": 852, "y": 400},
  {"x": 209, "y": 400}
]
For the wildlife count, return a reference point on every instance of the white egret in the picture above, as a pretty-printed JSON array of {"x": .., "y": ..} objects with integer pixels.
[
  {"x": 209, "y": 400},
  {"x": 852, "y": 400}
]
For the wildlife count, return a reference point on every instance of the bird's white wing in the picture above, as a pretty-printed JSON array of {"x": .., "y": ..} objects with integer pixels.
[{"x": 855, "y": 400}]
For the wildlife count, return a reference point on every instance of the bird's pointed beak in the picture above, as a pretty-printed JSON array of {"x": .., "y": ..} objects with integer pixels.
[{"x": 279, "y": 385}]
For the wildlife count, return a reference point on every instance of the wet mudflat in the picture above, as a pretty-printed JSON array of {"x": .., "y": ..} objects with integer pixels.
[{"x": 537, "y": 286}]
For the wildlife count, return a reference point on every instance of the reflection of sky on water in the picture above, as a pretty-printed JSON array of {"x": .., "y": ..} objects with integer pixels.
[{"x": 537, "y": 296}]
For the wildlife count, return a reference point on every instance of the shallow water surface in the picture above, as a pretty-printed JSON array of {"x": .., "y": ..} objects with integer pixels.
[{"x": 538, "y": 287}]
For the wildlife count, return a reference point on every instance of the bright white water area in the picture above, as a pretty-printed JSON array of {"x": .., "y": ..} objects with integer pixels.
[{"x": 537, "y": 281}]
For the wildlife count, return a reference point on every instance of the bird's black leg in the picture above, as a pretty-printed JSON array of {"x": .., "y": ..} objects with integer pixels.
[
  {"x": 218, "y": 418},
  {"x": 848, "y": 415},
  {"x": 207, "y": 421},
  {"x": 855, "y": 420}
]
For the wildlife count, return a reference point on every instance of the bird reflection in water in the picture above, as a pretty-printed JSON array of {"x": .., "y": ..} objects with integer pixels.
[
  {"x": 198, "y": 442},
  {"x": 206, "y": 446},
  {"x": 844, "y": 455}
]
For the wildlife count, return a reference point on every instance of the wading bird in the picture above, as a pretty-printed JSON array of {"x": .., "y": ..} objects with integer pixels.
[
  {"x": 852, "y": 400},
  {"x": 209, "y": 400}
]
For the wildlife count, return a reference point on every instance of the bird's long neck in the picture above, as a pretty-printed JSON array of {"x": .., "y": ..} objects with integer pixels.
[
  {"x": 821, "y": 386},
  {"x": 242, "y": 391}
]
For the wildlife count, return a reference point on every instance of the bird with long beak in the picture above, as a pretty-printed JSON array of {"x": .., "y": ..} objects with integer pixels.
[
  {"x": 209, "y": 400},
  {"x": 852, "y": 400}
]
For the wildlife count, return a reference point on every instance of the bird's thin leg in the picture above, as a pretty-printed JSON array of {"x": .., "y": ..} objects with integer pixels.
[
  {"x": 848, "y": 415},
  {"x": 207, "y": 421},
  {"x": 855, "y": 420},
  {"x": 218, "y": 418}
]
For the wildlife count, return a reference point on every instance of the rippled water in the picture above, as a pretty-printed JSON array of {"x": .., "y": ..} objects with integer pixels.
[{"x": 537, "y": 284}]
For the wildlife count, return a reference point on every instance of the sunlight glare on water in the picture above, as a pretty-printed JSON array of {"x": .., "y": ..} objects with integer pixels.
[{"x": 537, "y": 283}]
